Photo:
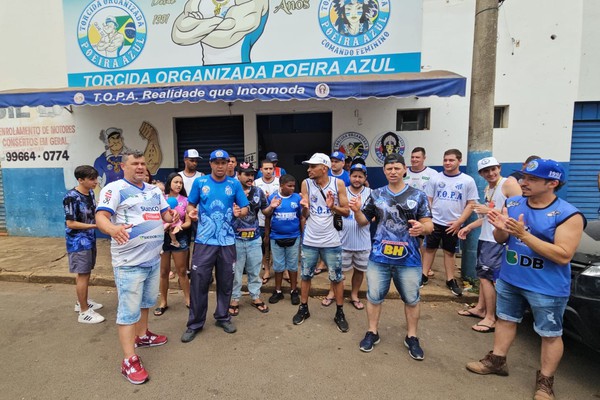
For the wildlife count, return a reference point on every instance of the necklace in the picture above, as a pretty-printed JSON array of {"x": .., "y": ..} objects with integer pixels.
[
  {"x": 489, "y": 197},
  {"x": 218, "y": 5}
]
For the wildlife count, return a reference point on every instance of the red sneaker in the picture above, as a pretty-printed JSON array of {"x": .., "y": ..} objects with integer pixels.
[
  {"x": 150, "y": 340},
  {"x": 133, "y": 370}
]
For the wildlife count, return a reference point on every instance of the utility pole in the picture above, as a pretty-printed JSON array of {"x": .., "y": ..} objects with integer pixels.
[{"x": 481, "y": 110}]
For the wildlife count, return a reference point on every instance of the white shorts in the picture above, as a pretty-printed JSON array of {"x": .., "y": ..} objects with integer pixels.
[{"x": 357, "y": 259}]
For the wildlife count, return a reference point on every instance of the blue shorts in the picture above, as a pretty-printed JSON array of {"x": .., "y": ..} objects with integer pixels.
[
  {"x": 548, "y": 311},
  {"x": 406, "y": 279},
  {"x": 489, "y": 259},
  {"x": 137, "y": 288},
  {"x": 332, "y": 256},
  {"x": 285, "y": 258}
]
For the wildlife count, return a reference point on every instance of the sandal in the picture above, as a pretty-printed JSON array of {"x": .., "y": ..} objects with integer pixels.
[
  {"x": 327, "y": 301},
  {"x": 357, "y": 304},
  {"x": 265, "y": 280},
  {"x": 234, "y": 310},
  {"x": 158, "y": 311},
  {"x": 262, "y": 307},
  {"x": 430, "y": 273},
  {"x": 469, "y": 313}
]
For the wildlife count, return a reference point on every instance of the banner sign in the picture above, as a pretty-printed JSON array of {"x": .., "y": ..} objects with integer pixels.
[{"x": 146, "y": 42}]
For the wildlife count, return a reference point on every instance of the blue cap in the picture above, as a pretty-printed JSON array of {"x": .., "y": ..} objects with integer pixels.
[
  {"x": 358, "y": 167},
  {"x": 271, "y": 156},
  {"x": 338, "y": 155},
  {"x": 219, "y": 155},
  {"x": 191, "y": 153},
  {"x": 545, "y": 169}
]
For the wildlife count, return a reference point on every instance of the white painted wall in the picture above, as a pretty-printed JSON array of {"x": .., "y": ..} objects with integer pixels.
[{"x": 539, "y": 78}]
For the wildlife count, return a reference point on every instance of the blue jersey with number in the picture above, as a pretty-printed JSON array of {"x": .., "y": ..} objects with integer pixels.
[
  {"x": 524, "y": 268},
  {"x": 392, "y": 244},
  {"x": 285, "y": 221},
  {"x": 247, "y": 228},
  {"x": 215, "y": 209}
]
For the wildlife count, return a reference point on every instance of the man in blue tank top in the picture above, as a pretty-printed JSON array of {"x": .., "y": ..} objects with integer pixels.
[{"x": 541, "y": 233}]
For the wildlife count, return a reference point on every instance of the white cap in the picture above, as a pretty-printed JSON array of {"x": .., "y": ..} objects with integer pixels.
[
  {"x": 319, "y": 158},
  {"x": 487, "y": 162},
  {"x": 191, "y": 153}
]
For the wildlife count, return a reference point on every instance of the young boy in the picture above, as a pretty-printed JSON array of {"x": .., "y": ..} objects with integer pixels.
[{"x": 80, "y": 206}]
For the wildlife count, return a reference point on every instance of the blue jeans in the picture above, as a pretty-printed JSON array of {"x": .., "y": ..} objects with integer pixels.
[
  {"x": 332, "y": 256},
  {"x": 548, "y": 311},
  {"x": 249, "y": 256},
  {"x": 406, "y": 279},
  {"x": 137, "y": 288},
  {"x": 285, "y": 258}
]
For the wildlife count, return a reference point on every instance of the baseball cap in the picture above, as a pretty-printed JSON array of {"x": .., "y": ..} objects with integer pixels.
[
  {"x": 219, "y": 155},
  {"x": 358, "y": 167},
  {"x": 271, "y": 156},
  {"x": 545, "y": 169},
  {"x": 393, "y": 158},
  {"x": 338, "y": 155},
  {"x": 246, "y": 167},
  {"x": 319, "y": 158},
  {"x": 113, "y": 131},
  {"x": 487, "y": 162},
  {"x": 191, "y": 153}
]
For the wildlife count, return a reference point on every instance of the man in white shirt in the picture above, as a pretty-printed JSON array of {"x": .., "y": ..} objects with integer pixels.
[
  {"x": 269, "y": 184},
  {"x": 451, "y": 195},
  {"x": 418, "y": 175},
  {"x": 189, "y": 173}
]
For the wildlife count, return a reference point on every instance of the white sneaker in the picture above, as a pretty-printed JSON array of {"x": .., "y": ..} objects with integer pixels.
[
  {"x": 90, "y": 317},
  {"x": 91, "y": 304}
]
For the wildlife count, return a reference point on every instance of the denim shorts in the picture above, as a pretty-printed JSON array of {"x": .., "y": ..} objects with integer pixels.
[
  {"x": 332, "y": 256},
  {"x": 548, "y": 311},
  {"x": 285, "y": 258},
  {"x": 406, "y": 279},
  {"x": 137, "y": 287}
]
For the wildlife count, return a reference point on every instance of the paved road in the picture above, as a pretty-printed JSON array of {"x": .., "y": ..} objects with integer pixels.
[{"x": 46, "y": 354}]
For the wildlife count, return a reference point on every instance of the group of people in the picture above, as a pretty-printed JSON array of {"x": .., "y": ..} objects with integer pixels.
[{"x": 527, "y": 239}]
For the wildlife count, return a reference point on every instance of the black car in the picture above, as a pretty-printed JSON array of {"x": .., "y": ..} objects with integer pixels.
[{"x": 582, "y": 317}]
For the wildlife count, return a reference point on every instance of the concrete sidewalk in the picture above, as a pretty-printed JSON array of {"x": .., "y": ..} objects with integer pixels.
[{"x": 44, "y": 260}]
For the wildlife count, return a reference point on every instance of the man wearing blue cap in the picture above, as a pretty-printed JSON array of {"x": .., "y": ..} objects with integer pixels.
[
  {"x": 219, "y": 199},
  {"x": 278, "y": 172},
  {"x": 190, "y": 173},
  {"x": 541, "y": 233},
  {"x": 338, "y": 161}
]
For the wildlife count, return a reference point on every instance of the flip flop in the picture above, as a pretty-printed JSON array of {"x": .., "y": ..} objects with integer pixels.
[
  {"x": 430, "y": 273},
  {"x": 158, "y": 311},
  {"x": 234, "y": 310},
  {"x": 487, "y": 328},
  {"x": 265, "y": 280},
  {"x": 318, "y": 271},
  {"x": 262, "y": 307},
  {"x": 468, "y": 313},
  {"x": 357, "y": 304},
  {"x": 327, "y": 301}
]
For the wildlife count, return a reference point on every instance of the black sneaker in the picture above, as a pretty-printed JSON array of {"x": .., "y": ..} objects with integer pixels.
[
  {"x": 414, "y": 349},
  {"x": 275, "y": 297},
  {"x": 454, "y": 288},
  {"x": 189, "y": 335},
  {"x": 370, "y": 340},
  {"x": 340, "y": 321},
  {"x": 295, "y": 297},
  {"x": 424, "y": 280},
  {"x": 301, "y": 315},
  {"x": 227, "y": 326}
]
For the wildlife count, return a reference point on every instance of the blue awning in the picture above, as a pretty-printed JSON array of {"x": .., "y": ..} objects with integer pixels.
[{"x": 432, "y": 83}]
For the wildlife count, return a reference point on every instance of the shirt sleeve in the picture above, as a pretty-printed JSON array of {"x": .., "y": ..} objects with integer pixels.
[
  {"x": 194, "y": 195},
  {"x": 240, "y": 197},
  {"x": 109, "y": 199},
  {"x": 472, "y": 194},
  {"x": 423, "y": 211},
  {"x": 430, "y": 187},
  {"x": 69, "y": 206},
  {"x": 263, "y": 199},
  {"x": 369, "y": 209}
]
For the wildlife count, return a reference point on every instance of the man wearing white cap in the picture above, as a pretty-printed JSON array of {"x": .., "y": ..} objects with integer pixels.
[
  {"x": 541, "y": 233},
  {"x": 322, "y": 196},
  {"x": 489, "y": 252},
  {"x": 189, "y": 173}
]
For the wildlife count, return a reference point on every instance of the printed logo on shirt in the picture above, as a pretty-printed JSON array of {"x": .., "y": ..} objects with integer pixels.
[
  {"x": 205, "y": 189},
  {"x": 151, "y": 216},
  {"x": 393, "y": 249},
  {"x": 514, "y": 258},
  {"x": 107, "y": 197},
  {"x": 228, "y": 190}
]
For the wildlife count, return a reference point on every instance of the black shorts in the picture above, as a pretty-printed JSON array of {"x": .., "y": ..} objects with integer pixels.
[{"x": 439, "y": 235}]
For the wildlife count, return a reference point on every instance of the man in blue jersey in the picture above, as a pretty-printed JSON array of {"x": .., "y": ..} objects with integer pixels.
[
  {"x": 219, "y": 199},
  {"x": 402, "y": 214},
  {"x": 132, "y": 212},
  {"x": 541, "y": 233}
]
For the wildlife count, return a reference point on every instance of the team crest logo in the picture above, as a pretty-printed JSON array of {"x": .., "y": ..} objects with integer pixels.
[
  {"x": 111, "y": 35},
  {"x": 228, "y": 190},
  {"x": 205, "y": 189},
  {"x": 313, "y": 198},
  {"x": 352, "y": 144},
  {"x": 532, "y": 166},
  {"x": 294, "y": 205},
  {"x": 411, "y": 204},
  {"x": 322, "y": 90},
  {"x": 441, "y": 185},
  {"x": 459, "y": 186},
  {"x": 386, "y": 144},
  {"x": 351, "y": 25}
]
